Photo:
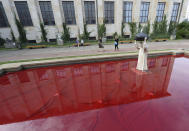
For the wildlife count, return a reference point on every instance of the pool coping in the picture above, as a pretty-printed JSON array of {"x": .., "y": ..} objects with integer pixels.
[{"x": 13, "y": 67}]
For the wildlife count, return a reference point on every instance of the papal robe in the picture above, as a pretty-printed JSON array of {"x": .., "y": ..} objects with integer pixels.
[{"x": 142, "y": 56}]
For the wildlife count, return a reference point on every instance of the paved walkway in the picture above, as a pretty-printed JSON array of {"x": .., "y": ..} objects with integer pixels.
[{"x": 27, "y": 54}]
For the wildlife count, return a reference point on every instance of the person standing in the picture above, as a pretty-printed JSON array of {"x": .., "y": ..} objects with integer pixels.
[
  {"x": 100, "y": 43},
  {"x": 116, "y": 43},
  {"x": 82, "y": 42},
  {"x": 77, "y": 42}
]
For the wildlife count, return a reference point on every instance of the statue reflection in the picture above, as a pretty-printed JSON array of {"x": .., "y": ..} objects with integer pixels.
[{"x": 45, "y": 92}]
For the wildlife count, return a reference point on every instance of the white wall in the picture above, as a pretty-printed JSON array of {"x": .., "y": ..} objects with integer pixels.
[{"x": 33, "y": 32}]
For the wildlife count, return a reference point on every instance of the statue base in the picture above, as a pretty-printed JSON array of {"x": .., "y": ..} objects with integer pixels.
[{"x": 139, "y": 72}]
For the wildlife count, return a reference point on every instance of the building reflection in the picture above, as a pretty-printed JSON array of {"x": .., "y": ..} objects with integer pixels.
[{"x": 44, "y": 92}]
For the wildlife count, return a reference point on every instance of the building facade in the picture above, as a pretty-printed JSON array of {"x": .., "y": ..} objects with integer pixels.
[{"x": 75, "y": 13}]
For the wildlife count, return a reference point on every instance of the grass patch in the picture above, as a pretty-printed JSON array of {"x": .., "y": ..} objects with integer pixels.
[{"x": 6, "y": 49}]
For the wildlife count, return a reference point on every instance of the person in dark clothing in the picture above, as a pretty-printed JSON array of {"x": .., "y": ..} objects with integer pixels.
[
  {"x": 116, "y": 44},
  {"x": 100, "y": 43}
]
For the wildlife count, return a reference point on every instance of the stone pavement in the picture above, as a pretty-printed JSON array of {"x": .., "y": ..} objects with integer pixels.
[{"x": 27, "y": 54}]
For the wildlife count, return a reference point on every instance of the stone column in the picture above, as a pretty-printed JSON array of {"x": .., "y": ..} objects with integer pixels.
[
  {"x": 169, "y": 8},
  {"x": 100, "y": 11},
  {"x": 8, "y": 7},
  {"x": 57, "y": 14},
  {"x": 32, "y": 5},
  {"x": 152, "y": 13},
  {"x": 78, "y": 4},
  {"x": 136, "y": 11},
  {"x": 118, "y": 15},
  {"x": 183, "y": 15}
]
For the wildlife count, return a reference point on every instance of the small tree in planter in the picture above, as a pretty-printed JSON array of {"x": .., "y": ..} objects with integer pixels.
[
  {"x": 146, "y": 29},
  {"x": 139, "y": 27},
  {"x": 155, "y": 27},
  {"x": 182, "y": 30},
  {"x": 101, "y": 30},
  {"x": 172, "y": 27},
  {"x": 2, "y": 41},
  {"x": 66, "y": 34},
  {"x": 160, "y": 29},
  {"x": 172, "y": 30},
  {"x": 133, "y": 29},
  {"x": 13, "y": 37},
  {"x": 21, "y": 31},
  {"x": 86, "y": 34},
  {"x": 122, "y": 29},
  {"x": 163, "y": 26},
  {"x": 115, "y": 35},
  {"x": 43, "y": 32}
]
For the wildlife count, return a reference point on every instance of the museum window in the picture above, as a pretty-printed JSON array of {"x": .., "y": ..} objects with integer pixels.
[
  {"x": 109, "y": 12},
  {"x": 47, "y": 13},
  {"x": 144, "y": 11},
  {"x": 90, "y": 16},
  {"x": 160, "y": 11},
  {"x": 3, "y": 17},
  {"x": 23, "y": 13},
  {"x": 69, "y": 12},
  {"x": 127, "y": 11},
  {"x": 175, "y": 12}
]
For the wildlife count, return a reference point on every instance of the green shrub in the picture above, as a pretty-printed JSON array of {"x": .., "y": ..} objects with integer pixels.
[
  {"x": 43, "y": 33},
  {"x": 101, "y": 30},
  {"x": 21, "y": 31},
  {"x": 160, "y": 29},
  {"x": 182, "y": 30},
  {"x": 146, "y": 29},
  {"x": 86, "y": 34},
  {"x": 163, "y": 26},
  {"x": 133, "y": 29},
  {"x": 13, "y": 37},
  {"x": 172, "y": 28},
  {"x": 139, "y": 27},
  {"x": 122, "y": 29},
  {"x": 2, "y": 41},
  {"x": 115, "y": 35},
  {"x": 66, "y": 33}
]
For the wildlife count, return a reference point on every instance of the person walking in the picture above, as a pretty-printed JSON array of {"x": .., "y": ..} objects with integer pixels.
[{"x": 116, "y": 43}]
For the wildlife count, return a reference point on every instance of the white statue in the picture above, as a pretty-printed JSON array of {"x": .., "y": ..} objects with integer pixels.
[{"x": 142, "y": 56}]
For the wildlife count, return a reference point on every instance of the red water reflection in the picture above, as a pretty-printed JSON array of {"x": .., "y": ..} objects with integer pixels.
[{"x": 45, "y": 92}]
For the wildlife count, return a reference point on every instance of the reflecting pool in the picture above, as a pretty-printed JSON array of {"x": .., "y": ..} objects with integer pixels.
[{"x": 106, "y": 96}]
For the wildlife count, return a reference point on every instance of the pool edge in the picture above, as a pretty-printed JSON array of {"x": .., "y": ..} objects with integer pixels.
[{"x": 13, "y": 67}]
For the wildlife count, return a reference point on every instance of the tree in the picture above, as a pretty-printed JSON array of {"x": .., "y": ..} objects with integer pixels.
[
  {"x": 66, "y": 34},
  {"x": 2, "y": 41},
  {"x": 101, "y": 30},
  {"x": 86, "y": 34},
  {"x": 115, "y": 35},
  {"x": 172, "y": 27},
  {"x": 122, "y": 29},
  {"x": 147, "y": 29},
  {"x": 139, "y": 27},
  {"x": 133, "y": 29},
  {"x": 43, "y": 32},
  {"x": 182, "y": 30},
  {"x": 13, "y": 37},
  {"x": 160, "y": 29},
  {"x": 21, "y": 31},
  {"x": 155, "y": 27},
  {"x": 163, "y": 26}
]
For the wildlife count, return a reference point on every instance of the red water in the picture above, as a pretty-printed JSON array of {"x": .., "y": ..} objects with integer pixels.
[{"x": 107, "y": 96}]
